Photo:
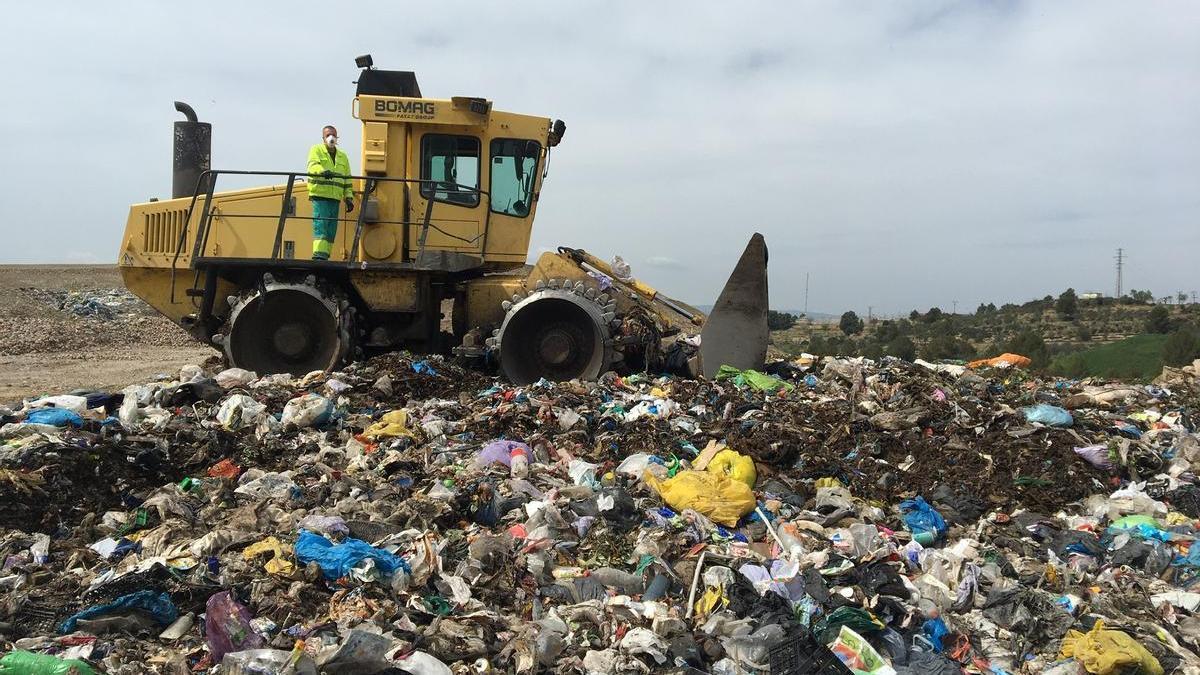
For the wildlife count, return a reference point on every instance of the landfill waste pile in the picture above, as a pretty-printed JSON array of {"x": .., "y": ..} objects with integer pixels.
[
  {"x": 38, "y": 320},
  {"x": 107, "y": 304},
  {"x": 410, "y": 516}
]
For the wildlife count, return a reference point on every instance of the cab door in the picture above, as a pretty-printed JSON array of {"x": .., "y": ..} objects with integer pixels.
[{"x": 449, "y": 163}]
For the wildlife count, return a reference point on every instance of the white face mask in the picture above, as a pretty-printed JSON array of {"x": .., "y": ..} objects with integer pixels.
[{"x": 331, "y": 140}]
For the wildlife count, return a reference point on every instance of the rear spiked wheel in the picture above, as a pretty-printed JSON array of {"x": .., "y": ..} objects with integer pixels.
[{"x": 286, "y": 327}]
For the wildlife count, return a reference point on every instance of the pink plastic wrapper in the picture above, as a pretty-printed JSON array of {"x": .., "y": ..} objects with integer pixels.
[
  {"x": 227, "y": 626},
  {"x": 500, "y": 451},
  {"x": 1096, "y": 455}
]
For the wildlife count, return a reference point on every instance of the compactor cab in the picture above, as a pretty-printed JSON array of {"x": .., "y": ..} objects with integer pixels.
[{"x": 433, "y": 258}]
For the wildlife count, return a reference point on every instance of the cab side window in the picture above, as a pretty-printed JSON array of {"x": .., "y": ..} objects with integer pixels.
[
  {"x": 450, "y": 165},
  {"x": 514, "y": 168}
]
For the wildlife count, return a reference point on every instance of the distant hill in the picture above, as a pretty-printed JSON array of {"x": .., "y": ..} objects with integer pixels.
[
  {"x": 815, "y": 316},
  {"x": 1103, "y": 337}
]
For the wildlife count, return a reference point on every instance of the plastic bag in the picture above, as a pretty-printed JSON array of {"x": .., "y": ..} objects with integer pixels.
[
  {"x": 55, "y": 417},
  {"x": 1096, "y": 455},
  {"x": 737, "y": 466},
  {"x": 583, "y": 473},
  {"x": 421, "y": 663},
  {"x": 324, "y": 525},
  {"x": 830, "y": 625},
  {"x": 224, "y": 469},
  {"x": 935, "y": 630},
  {"x": 620, "y": 269},
  {"x": 227, "y": 626},
  {"x": 234, "y": 377},
  {"x": 360, "y": 652},
  {"x": 264, "y": 661},
  {"x": 1050, "y": 415},
  {"x": 1006, "y": 360},
  {"x": 500, "y": 452},
  {"x": 921, "y": 518},
  {"x": 157, "y": 605},
  {"x": 715, "y": 495},
  {"x": 1108, "y": 652},
  {"x": 858, "y": 654},
  {"x": 336, "y": 560},
  {"x": 266, "y": 486},
  {"x": 129, "y": 414},
  {"x": 28, "y": 663},
  {"x": 753, "y": 379},
  {"x": 278, "y": 564},
  {"x": 391, "y": 425},
  {"x": 239, "y": 411},
  {"x": 76, "y": 404},
  {"x": 309, "y": 410},
  {"x": 423, "y": 368}
]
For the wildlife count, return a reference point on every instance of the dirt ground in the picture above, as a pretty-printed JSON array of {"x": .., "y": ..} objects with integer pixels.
[{"x": 66, "y": 327}]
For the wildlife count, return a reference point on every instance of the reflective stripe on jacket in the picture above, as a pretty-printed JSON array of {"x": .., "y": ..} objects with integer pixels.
[{"x": 336, "y": 187}]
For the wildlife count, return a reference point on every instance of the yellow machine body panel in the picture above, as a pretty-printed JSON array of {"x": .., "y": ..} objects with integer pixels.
[{"x": 496, "y": 159}]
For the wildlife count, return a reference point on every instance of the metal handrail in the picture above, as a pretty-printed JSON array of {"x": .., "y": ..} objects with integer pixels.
[{"x": 206, "y": 181}]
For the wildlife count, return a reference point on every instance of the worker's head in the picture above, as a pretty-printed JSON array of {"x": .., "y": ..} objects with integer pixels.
[{"x": 329, "y": 133}]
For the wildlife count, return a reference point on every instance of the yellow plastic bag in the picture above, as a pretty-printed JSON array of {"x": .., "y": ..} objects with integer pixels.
[
  {"x": 717, "y": 496},
  {"x": 713, "y": 598},
  {"x": 1106, "y": 652},
  {"x": 278, "y": 564},
  {"x": 392, "y": 424},
  {"x": 736, "y": 466}
]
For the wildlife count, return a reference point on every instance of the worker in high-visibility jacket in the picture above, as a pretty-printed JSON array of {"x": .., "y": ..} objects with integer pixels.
[{"x": 328, "y": 184}]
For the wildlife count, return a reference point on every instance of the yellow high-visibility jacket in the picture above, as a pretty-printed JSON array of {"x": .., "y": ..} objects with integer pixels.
[{"x": 335, "y": 187}]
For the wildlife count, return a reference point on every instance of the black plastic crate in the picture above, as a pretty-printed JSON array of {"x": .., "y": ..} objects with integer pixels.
[{"x": 799, "y": 653}]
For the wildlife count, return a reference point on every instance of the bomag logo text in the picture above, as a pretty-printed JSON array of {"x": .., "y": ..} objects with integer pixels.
[{"x": 405, "y": 108}]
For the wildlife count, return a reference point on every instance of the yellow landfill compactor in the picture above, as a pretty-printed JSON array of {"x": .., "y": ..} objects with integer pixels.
[{"x": 433, "y": 260}]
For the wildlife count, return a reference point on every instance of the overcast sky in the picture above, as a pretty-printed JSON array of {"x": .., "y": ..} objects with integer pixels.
[{"x": 904, "y": 154}]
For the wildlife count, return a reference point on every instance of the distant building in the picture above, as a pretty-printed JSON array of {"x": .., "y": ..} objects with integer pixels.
[{"x": 1091, "y": 295}]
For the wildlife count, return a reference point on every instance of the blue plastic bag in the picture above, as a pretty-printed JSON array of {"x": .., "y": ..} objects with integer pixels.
[
  {"x": 1192, "y": 559},
  {"x": 336, "y": 560},
  {"x": 1050, "y": 415},
  {"x": 55, "y": 417},
  {"x": 920, "y": 517},
  {"x": 935, "y": 630},
  {"x": 157, "y": 605},
  {"x": 423, "y": 368}
]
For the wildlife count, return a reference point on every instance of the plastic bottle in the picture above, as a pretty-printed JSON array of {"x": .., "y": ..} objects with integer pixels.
[{"x": 518, "y": 462}]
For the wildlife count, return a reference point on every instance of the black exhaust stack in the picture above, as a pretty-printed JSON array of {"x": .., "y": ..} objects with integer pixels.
[{"x": 193, "y": 153}]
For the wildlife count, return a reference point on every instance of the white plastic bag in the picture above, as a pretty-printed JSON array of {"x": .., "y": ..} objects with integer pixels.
[
  {"x": 621, "y": 269},
  {"x": 306, "y": 411},
  {"x": 190, "y": 373},
  {"x": 267, "y": 486},
  {"x": 235, "y": 377},
  {"x": 239, "y": 411},
  {"x": 76, "y": 404}
]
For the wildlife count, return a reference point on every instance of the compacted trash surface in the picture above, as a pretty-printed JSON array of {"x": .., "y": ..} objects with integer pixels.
[{"x": 409, "y": 515}]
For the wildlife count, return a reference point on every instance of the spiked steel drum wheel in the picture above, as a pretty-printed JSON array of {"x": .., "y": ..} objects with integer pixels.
[
  {"x": 561, "y": 331},
  {"x": 288, "y": 328}
]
